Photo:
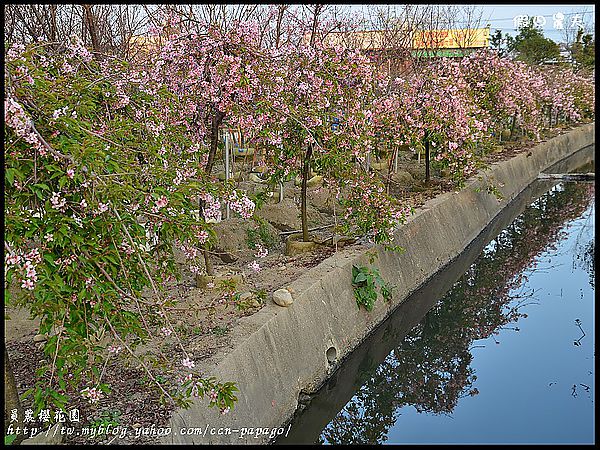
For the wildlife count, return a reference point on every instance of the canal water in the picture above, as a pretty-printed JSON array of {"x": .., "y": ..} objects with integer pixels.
[{"x": 497, "y": 348}]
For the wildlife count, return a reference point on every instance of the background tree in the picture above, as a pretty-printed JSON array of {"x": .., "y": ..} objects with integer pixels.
[
  {"x": 502, "y": 43},
  {"x": 533, "y": 48},
  {"x": 319, "y": 113},
  {"x": 106, "y": 28},
  {"x": 583, "y": 50}
]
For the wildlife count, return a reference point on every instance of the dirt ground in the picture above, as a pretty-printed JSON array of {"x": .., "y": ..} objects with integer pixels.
[{"x": 205, "y": 316}]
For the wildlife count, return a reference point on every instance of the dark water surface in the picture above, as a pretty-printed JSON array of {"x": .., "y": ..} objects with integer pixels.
[{"x": 497, "y": 348}]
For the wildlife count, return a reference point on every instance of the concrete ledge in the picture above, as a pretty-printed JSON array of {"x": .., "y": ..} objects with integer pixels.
[{"x": 280, "y": 352}]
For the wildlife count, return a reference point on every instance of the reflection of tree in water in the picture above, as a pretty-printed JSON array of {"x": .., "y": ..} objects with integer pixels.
[
  {"x": 584, "y": 248},
  {"x": 430, "y": 370},
  {"x": 586, "y": 260}
]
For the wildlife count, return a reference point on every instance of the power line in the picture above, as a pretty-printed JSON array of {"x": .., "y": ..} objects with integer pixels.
[
  {"x": 546, "y": 15},
  {"x": 513, "y": 18}
]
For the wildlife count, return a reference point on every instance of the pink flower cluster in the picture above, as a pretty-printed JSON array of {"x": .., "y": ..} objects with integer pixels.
[
  {"x": 66, "y": 260},
  {"x": 76, "y": 48},
  {"x": 261, "y": 252},
  {"x": 189, "y": 251},
  {"x": 241, "y": 204},
  {"x": 15, "y": 52},
  {"x": 254, "y": 266},
  {"x": 17, "y": 119},
  {"x": 25, "y": 265},
  {"x": 58, "y": 202},
  {"x": 160, "y": 203},
  {"x": 202, "y": 236},
  {"x": 102, "y": 207},
  {"x": 188, "y": 363},
  {"x": 114, "y": 350},
  {"x": 126, "y": 247},
  {"x": 92, "y": 394},
  {"x": 212, "y": 207}
]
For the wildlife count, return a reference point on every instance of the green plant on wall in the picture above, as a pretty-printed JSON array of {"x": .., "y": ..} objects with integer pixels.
[
  {"x": 492, "y": 188},
  {"x": 365, "y": 281}
]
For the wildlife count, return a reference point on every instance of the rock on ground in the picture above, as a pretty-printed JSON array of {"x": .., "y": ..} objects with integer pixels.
[
  {"x": 403, "y": 177},
  {"x": 322, "y": 200},
  {"x": 284, "y": 216},
  {"x": 293, "y": 247},
  {"x": 233, "y": 236},
  {"x": 283, "y": 297}
]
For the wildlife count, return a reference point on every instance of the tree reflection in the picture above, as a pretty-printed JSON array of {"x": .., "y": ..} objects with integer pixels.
[
  {"x": 584, "y": 255},
  {"x": 585, "y": 258},
  {"x": 430, "y": 369}
]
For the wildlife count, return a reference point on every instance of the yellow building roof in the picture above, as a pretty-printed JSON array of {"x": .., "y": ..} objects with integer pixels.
[
  {"x": 458, "y": 38},
  {"x": 439, "y": 39}
]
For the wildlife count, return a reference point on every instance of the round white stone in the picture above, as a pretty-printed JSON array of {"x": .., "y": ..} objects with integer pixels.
[{"x": 283, "y": 297}]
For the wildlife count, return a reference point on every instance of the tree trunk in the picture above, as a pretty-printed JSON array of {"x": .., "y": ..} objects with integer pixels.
[
  {"x": 303, "y": 209},
  {"x": 427, "y": 174},
  {"x": 315, "y": 24},
  {"x": 210, "y": 270},
  {"x": 53, "y": 26},
  {"x": 217, "y": 119},
  {"x": 92, "y": 28},
  {"x": 512, "y": 128},
  {"x": 390, "y": 170},
  {"x": 11, "y": 399}
]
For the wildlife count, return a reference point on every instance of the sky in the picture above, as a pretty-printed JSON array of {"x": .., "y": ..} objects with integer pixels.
[{"x": 501, "y": 17}]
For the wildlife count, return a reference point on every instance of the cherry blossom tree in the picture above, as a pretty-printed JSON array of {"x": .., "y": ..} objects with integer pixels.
[
  {"x": 214, "y": 76},
  {"x": 317, "y": 115},
  {"x": 98, "y": 187},
  {"x": 431, "y": 111}
]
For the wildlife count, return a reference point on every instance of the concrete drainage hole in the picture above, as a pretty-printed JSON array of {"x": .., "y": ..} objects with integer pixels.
[{"x": 331, "y": 354}]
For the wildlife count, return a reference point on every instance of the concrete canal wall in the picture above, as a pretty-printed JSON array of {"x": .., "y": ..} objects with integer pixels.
[{"x": 278, "y": 353}]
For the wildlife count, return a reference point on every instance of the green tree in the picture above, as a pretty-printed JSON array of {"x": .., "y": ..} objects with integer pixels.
[
  {"x": 583, "y": 50},
  {"x": 502, "y": 43},
  {"x": 532, "y": 47}
]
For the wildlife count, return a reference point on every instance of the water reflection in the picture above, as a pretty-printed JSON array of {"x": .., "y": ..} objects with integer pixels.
[
  {"x": 431, "y": 368},
  {"x": 583, "y": 252}
]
